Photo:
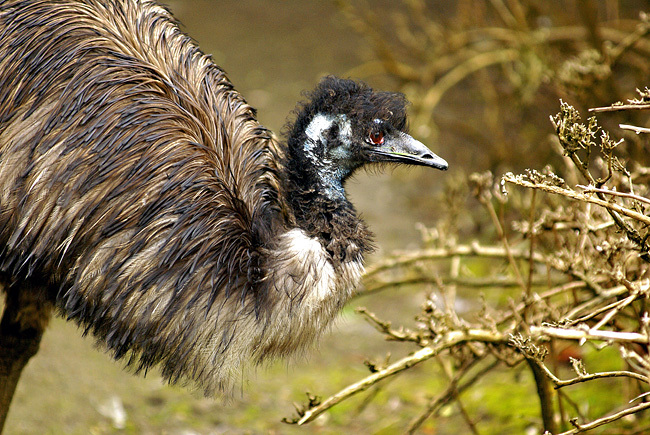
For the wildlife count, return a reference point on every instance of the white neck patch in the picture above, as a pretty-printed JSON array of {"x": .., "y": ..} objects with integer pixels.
[
  {"x": 319, "y": 125},
  {"x": 315, "y": 132}
]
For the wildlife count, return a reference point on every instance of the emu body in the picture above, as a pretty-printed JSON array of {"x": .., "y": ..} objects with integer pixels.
[{"x": 140, "y": 197}]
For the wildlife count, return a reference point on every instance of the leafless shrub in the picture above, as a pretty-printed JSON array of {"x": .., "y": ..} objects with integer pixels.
[{"x": 570, "y": 246}]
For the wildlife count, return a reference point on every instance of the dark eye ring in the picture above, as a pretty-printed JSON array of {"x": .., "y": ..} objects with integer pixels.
[{"x": 376, "y": 137}]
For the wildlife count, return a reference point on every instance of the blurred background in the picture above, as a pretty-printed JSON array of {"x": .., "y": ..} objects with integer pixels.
[{"x": 483, "y": 77}]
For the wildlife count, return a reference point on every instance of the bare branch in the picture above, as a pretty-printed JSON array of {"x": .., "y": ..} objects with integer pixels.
[
  {"x": 603, "y": 375},
  {"x": 545, "y": 394},
  {"x": 634, "y": 128},
  {"x": 604, "y": 420},
  {"x": 510, "y": 178},
  {"x": 614, "y": 193},
  {"x": 446, "y": 341},
  {"x": 588, "y": 334},
  {"x": 618, "y": 107},
  {"x": 406, "y": 258},
  {"x": 385, "y": 327}
]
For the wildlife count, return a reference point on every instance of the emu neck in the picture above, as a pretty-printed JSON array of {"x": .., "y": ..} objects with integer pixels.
[
  {"x": 330, "y": 168},
  {"x": 320, "y": 207}
]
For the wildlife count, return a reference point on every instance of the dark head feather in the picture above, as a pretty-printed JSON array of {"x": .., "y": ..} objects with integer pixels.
[{"x": 359, "y": 101}]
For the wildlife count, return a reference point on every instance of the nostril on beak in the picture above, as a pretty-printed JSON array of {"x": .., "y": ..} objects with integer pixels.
[{"x": 427, "y": 156}]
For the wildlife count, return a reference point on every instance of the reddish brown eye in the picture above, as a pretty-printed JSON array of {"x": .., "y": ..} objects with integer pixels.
[{"x": 377, "y": 137}]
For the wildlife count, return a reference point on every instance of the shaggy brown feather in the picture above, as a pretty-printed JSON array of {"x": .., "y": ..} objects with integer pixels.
[{"x": 136, "y": 185}]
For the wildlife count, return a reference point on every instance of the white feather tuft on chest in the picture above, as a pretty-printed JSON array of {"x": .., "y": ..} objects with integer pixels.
[{"x": 310, "y": 276}]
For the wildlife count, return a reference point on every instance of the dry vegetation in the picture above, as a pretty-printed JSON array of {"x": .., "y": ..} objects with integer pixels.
[{"x": 560, "y": 255}]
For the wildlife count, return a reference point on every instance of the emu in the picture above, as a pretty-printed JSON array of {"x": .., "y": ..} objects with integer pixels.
[{"x": 140, "y": 197}]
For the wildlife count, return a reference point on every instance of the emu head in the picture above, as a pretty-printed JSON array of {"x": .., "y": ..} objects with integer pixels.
[{"x": 345, "y": 125}]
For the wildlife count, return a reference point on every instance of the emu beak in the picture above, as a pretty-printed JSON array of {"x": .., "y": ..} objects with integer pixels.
[{"x": 404, "y": 149}]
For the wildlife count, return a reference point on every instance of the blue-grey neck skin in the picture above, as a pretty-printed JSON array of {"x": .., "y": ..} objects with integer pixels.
[{"x": 335, "y": 164}]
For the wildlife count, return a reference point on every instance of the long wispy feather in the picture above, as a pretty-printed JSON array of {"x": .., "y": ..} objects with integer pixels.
[{"x": 136, "y": 186}]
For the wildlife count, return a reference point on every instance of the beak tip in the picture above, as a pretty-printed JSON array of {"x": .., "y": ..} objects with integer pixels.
[
  {"x": 437, "y": 162},
  {"x": 405, "y": 149}
]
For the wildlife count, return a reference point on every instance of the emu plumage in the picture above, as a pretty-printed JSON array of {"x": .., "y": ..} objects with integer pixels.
[{"x": 140, "y": 197}]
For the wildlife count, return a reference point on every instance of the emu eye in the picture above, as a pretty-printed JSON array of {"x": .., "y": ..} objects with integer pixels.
[{"x": 376, "y": 137}]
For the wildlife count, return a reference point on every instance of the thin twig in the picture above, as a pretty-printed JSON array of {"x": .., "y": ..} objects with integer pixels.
[
  {"x": 504, "y": 239},
  {"x": 463, "y": 411},
  {"x": 617, "y": 107},
  {"x": 603, "y": 375},
  {"x": 634, "y": 128},
  {"x": 631, "y": 233},
  {"x": 614, "y": 193},
  {"x": 385, "y": 327},
  {"x": 496, "y": 281},
  {"x": 607, "y": 419},
  {"x": 531, "y": 236},
  {"x": 602, "y": 296},
  {"x": 571, "y": 286},
  {"x": 588, "y": 334},
  {"x": 595, "y": 312},
  {"x": 406, "y": 258},
  {"x": 615, "y": 310},
  {"x": 559, "y": 383}
]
